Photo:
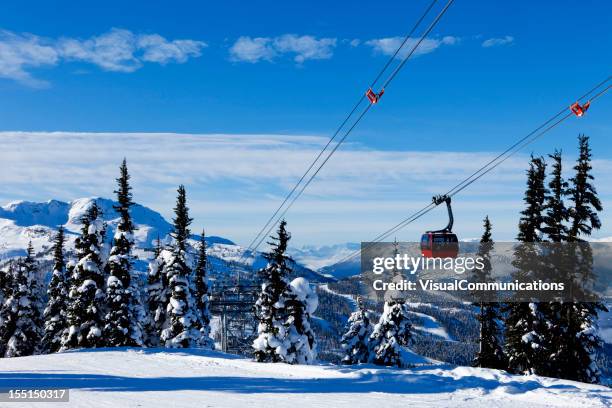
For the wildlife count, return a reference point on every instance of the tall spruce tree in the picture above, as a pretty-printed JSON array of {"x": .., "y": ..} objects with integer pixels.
[
  {"x": 525, "y": 323},
  {"x": 124, "y": 319},
  {"x": 271, "y": 344},
  {"x": 555, "y": 255},
  {"x": 5, "y": 282},
  {"x": 180, "y": 329},
  {"x": 300, "y": 303},
  {"x": 583, "y": 195},
  {"x": 201, "y": 294},
  {"x": 21, "y": 328},
  {"x": 7, "y": 279},
  {"x": 392, "y": 333},
  {"x": 557, "y": 214},
  {"x": 490, "y": 353},
  {"x": 579, "y": 341},
  {"x": 157, "y": 292},
  {"x": 356, "y": 341},
  {"x": 85, "y": 314},
  {"x": 55, "y": 312}
]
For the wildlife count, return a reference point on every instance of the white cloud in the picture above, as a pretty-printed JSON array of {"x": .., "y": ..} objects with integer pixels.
[
  {"x": 112, "y": 51},
  {"x": 157, "y": 49},
  {"x": 252, "y": 50},
  {"x": 116, "y": 50},
  {"x": 306, "y": 47},
  {"x": 494, "y": 42},
  {"x": 387, "y": 46},
  {"x": 20, "y": 52},
  {"x": 235, "y": 182}
]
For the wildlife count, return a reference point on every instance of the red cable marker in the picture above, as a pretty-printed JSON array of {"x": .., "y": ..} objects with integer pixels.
[
  {"x": 373, "y": 96},
  {"x": 578, "y": 109}
]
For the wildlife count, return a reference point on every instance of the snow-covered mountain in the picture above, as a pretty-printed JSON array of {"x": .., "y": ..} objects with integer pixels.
[
  {"x": 25, "y": 221},
  {"x": 318, "y": 257}
]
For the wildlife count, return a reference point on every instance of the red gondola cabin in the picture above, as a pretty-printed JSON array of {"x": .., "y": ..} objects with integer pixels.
[
  {"x": 442, "y": 243},
  {"x": 439, "y": 245}
]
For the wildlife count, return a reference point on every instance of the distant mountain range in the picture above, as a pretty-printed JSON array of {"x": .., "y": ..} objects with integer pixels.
[{"x": 24, "y": 221}]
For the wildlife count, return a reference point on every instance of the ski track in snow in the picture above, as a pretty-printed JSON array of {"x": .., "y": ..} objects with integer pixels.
[
  {"x": 194, "y": 378},
  {"x": 432, "y": 326}
]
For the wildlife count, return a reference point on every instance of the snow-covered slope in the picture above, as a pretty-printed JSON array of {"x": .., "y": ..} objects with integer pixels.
[{"x": 154, "y": 378}]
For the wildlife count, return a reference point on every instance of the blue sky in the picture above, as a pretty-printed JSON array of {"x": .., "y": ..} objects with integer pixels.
[{"x": 490, "y": 73}]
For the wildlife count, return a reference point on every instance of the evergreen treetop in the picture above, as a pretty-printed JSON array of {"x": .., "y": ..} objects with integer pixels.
[
  {"x": 181, "y": 221},
  {"x": 583, "y": 195},
  {"x": 556, "y": 212},
  {"x": 532, "y": 216}
]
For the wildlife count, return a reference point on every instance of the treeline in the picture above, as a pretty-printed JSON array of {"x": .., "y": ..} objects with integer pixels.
[
  {"x": 95, "y": 299},
  {"x": 556, "y": 339}
]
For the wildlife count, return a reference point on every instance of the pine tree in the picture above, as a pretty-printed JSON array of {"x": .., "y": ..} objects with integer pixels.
[
  {"x": 5, "y": 282},
  {"x": 392, "y": 333},
  {"x": 157, "y": 292},
  {"x": 556, "y": 212},
  {"x": 525, "y": 323},
  {"x": 85, "y": 317},
  {"x": 577, "y": 339},
  {"x": 583, "y": 195},
  {"x": 530, "y": 225},
  {"x": 201, "y": 295},
  {"x": 123, "y": 321},
  {"x": 181, "y": 221},
  {"x": 55, "y": 312},
  {"x": 356, "y": 341},
  {"x": 271, "y": 344},
  {"x": 300, "y": 303},
  {"x": 180, "y": 329},
  {"x": 490, "y": 354},
  {"x": 21, "y": 328},
  {"x": 7, "y": 279}
]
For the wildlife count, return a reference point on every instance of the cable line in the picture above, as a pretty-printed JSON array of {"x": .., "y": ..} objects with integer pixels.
[
  {"x": 548, "y": 125},
  {"x": 271, "y": 222}
]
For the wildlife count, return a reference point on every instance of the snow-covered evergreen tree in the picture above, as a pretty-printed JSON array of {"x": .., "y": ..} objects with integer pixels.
[
  {"x": 271, "y": 344},
  {"x": 525, "y": 324},
  {"x": 201, "y": 295},
  {"x": 124, "y": 318},
  {"x": 490, "y": 353},
  {"x": 157, "y": 298},
  {"x": 579, "y": 340},
  {"x": 21, "y": 323},
  {"x": 391, "y": 335},
  {"x": 55, "y": 312},
  {"x": 181, "y": 328},
  {"x": 583, "y": 195},
  {"x": 557, "y": 214},
  {"x": 5, "y": 282},
  {"x": 356, "y": 341},
  {"x": 85, "y": 314},
  {"x": 300, "y": 303}
]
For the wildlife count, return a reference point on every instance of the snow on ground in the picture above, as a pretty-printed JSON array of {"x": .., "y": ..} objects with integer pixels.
[{"x": 172, "y": 378}]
